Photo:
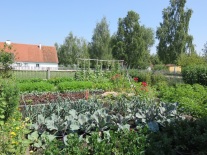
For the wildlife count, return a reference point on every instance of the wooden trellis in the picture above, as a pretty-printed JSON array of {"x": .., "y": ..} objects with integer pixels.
[{"x": 100, "y": 62}]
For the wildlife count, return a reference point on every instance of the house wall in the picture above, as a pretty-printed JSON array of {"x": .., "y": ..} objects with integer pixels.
[
  {"x": 175, "y": 69},
  {"x": 35, "y": 66}
]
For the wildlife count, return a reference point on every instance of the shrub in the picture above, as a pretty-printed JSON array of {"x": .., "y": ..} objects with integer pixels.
[
  {"x": 180, "y": 137},
  {"x": 158, "y": 77},
  {"x": 9, "y": 99},
  {"x": 12, "y": 133},
  {"x": 195, "y": 74}
]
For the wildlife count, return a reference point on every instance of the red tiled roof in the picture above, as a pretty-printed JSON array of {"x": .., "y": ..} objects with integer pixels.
[{"x": 33, "y": 53}]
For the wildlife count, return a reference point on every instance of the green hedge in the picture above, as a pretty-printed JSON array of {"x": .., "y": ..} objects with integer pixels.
[{"x": 195, "y": 74}]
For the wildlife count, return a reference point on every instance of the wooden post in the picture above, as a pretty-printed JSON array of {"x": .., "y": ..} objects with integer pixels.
[{"x": 48, "y": 73}]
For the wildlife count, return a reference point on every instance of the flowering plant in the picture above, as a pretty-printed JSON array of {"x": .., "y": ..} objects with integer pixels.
[
  {"x": 12, "y": 133},
  {"x": 136, "y": 79}
]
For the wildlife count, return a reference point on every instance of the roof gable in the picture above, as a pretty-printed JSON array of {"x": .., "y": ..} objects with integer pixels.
[{"x": 33, "y": 53}]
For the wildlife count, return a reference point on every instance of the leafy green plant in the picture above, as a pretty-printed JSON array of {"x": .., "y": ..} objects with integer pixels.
[
  {"x": 12, "y": 133},
  {"x": 74, "y": 85},
  {"x": 9, "y": 99},
  {"x": 195, "y": 74},
  {"x": 191, "y": 98},
  {"x": 179, "y": 137},
  {"x": 36, "y": 86}
]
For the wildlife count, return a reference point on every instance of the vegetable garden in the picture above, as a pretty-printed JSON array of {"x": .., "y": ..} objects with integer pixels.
[{"x": 100, "y": 112}]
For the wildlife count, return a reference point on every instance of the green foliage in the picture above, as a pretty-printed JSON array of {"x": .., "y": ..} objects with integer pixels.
[
  {"x": 157, "y": 77},
  {"x": 56, "y": 81},
  {"x": 190, "y": 60},
  {"x": 100, "y": 46},
  {"x": 154, "y": 60},
  {"x": 132, "y": 41},
  {"x": 122, "y": 142},
  {"x": 160, "y": 67},
  {"x": 12, "y": 133},
  {"x": 6, "y": 59},
  {"x": 72, "y": 49},
  {"x": 143, "y": 76},
  {"x": 173, "y": 32},
  {"x": 195, "y": 74},
  {"x": 9, "y": 99},
  {"x": 179, "y": 137},
  {"x": 74, "y": 146},
  {"x": 191, "y": 98},
  {"x": 74, "y": 85},
  {"x": 205, "y": 51},
  {"x": 36, "y": 86}
]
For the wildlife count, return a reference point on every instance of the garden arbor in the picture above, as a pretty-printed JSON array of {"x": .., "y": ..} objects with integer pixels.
[{"x": 86, "y": 63}]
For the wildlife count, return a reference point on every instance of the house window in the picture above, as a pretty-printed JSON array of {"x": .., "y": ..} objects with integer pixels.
[
  {"x": 37, "y": 65},
  {"x": 26, "y": 64},
  {"x": 18, "y": 64}
]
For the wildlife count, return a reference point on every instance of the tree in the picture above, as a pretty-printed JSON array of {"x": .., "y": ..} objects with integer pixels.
[
  {"x": 100, "y": 44},
  {"x": 132, "y": 41},
  {"x": 6, "y": 59},
  {"x": 205, "y": 51},
  {"x": 154, "y": 59},
  {"x": 190, "y": 59},
  {"x": 173, "y": 32},
  {"x": 72, "y": 49}
]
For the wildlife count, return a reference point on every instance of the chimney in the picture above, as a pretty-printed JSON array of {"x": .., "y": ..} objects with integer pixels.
[
  {"x": 8, "y": 42},
  {"x": 40, "y": 46}
]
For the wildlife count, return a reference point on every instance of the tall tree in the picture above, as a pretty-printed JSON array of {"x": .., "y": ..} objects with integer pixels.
[
  {"x": 173, "y": 32},
  {"x": 100, "y": 44},
  {"x": 72, "y": 49},
  {"x": 132, "y": 41}
]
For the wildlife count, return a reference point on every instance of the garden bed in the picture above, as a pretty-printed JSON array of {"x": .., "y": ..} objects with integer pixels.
[{"x": 50, "y": 97}]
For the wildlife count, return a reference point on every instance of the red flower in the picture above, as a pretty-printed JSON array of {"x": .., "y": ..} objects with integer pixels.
[
  {"x": 136, "y": 79},
  {"x": 144, "y": 84}
]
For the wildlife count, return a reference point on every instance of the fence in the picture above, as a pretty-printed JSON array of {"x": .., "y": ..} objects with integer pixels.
[{"x": 42, "y": 74}]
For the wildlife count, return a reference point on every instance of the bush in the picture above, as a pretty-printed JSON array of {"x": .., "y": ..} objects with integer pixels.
[
  {"x": 158, "y": 77},
  {"x": 143, "y": 76},
  {"x": 9, "y": 99},
  {"x": 12, "y": 133},
  {"x": 195, "y": 74},
  {"x": 180, "y": 137}
]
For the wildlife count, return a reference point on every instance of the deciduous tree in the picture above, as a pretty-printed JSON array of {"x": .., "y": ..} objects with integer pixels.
[
  {"x": 6, "y": 60},
  {"x": 132, "y": 41},
  {"x": 72, "y": 49},
  {"x": 100, "y": 44},
  {"x": 173, "y": 32}
]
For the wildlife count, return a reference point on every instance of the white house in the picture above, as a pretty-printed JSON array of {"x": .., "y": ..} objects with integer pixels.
[{"x": 32, "y": 57}]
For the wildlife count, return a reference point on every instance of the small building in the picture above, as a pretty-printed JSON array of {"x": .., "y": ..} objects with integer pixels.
[
  {"x": 173, "y": 68},
  {"x": 32, "y": 57}
]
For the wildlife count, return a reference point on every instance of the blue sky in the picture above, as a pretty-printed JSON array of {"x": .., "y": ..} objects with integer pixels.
[{"x": 48, "y": 22}]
